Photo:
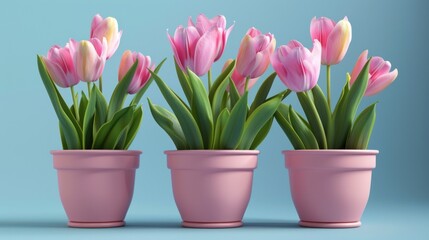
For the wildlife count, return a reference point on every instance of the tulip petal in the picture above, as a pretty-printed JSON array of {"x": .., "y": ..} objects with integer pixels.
[
  {"x": 363, "y": 57},
  {"x": 381, "y": 83},
  {"x": 205, "y": 51},
  {"x": 320, "y": 30},
  {"x": 246, "y": 54},
  {"x": 338, "y": 42}
]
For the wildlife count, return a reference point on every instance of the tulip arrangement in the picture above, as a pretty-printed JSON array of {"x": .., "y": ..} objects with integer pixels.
[
  {"x": 218, "y": 117},
  {"x": 299, "y": 68},
  {"x": 91, "y": 122}
]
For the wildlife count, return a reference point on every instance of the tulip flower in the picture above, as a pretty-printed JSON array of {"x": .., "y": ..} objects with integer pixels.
[
  {"x": 89, "y": 58},
  {"x": 297, "y": 66},
  {"x": 254, "y": 53},
  {"x": 142, "y": 74},
  {"x": 59, "y": 63},
  {"x": 106, "y": 28},
  {"x": 204, "y": 24},
  {"x": 334, "y": 37},
  {"x": 380, "y": 75},
  {"x": 194, "y": 50},
  {"x": 239, "y": 81}
]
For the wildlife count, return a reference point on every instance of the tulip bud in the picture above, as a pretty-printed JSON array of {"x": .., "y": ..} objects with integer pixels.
[
  {"x": 254, "y": 54},
  {"x": 194, "y": 50},
  {"x": 106, "y": 28},
  {"x": 203, "y": 25},
  {"x": 380, "y": 75},
  {"x": 142, "y": 74},
  {"x": 296, "y": 66},
  {"x": 334, "y": 37},
  {"x": 89, "y": 58},
  {"x": 60, "y": 66}
]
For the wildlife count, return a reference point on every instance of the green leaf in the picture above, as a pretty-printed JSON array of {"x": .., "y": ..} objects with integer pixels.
[
  {"x": 233, "y": 130},
  {"x": 345, "y": 114},
  {"x": 282, "y": 117},
  {"x": 220, "y": 79},
  {"x": 362, "y": 129},
  {"x": 63, "y": 138},
  {"x": 257, "y": 120},
  {"x": 313, "y": 117},
  {"x": 88, "y": 120},
  {"x": 218, "y": 101},
  {"x": 263, "y": 92},
  {"x": 140, "y": 93},
  {"x": 70, "y": 128},
  {"x": 344, "y": 93},
  {"x": 325, "y": 114},
  {"x": 110, "y": 133},
  {"x": 303, "y": 131},
  {"x": 220, "y": 125},
  {"x": 189, "y": 126},
  {"x": 82, "y": 108},
  {"x": 100, "y": 111},
  {"x": 262, "y": 134},
  {"x": 233, "y": 93},
  {"x": 201, "y": 109},
  {"x": 120, "y": 93},
  {"x": 168, "y": 121},
  {"x": 134, "y": 127},
  {"x": 184, "y": 82}
]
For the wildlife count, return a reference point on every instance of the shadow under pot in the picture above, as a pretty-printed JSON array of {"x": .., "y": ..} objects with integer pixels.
[
  {"x": 96, "y": 186},
  {"x": 212, "y": 188}
]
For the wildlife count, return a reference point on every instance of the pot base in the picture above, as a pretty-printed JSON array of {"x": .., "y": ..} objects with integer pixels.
[
  {"x": 329, "y": 224},
  {"x": 212, "y": 225},
  {"x": 96, "y": 224}
]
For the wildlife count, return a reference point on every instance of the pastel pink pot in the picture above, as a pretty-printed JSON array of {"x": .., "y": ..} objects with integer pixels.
[
  {"x": 96, "y": 186},
  {"x": 330, "y": 188},
  {"x": 212, "y": 187}
]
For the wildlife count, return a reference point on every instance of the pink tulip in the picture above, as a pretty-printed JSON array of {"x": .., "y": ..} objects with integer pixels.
[
  {"x": 194, "y": 50},
  {"x": 379, "y": 73},
  {"x": 254, "y": 54},
  {"x": 239, "y": 81},
  {"x": 89, "y": 58},
  {"x": 204, "y": 25},
  {"x": 334, "y": 38},
  {"x": 59, "y": 63},
  {"x": 296, "y": 66},
  {"x": 142, "y": 74},
  {"x": 106, "y": 28}
]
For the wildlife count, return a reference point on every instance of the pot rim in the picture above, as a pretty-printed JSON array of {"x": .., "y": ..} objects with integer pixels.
[
  {"x": 96, "y": 152},
  {"x": 333, "y": 151},
  {"x": 212, "y": 152}
]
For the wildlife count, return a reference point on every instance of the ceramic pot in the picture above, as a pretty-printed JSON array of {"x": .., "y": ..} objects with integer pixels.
[
  {"x": 330, "y": 188},
  {"x": 96, "y": 186},
  {"x": 212, "y": 187}
]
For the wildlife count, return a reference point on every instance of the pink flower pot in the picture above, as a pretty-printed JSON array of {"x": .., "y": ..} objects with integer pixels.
[
  {"x": 212, "y": 187},
  {"x": 96, "y": 186},
  {"x": 330, "y": 188}
]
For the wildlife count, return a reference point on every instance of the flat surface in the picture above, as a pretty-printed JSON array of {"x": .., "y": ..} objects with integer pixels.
[{"x": 380, "y": 222}]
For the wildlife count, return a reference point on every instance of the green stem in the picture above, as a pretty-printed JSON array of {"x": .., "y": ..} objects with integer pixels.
[
  {"x": 100, "y": 83},
  {"x": 209, "y": 79},
  {"x": 246, "y": 86},
  {"x": 328, "y": 84},
  {"x": 76, "y": 107},
  {"x": 89, "y": 89}
]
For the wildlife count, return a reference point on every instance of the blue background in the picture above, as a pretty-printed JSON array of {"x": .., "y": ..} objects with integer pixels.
[{"x": 29, "y": 201}]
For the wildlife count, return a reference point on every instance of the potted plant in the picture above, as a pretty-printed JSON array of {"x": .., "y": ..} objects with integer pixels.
[
  {"x": 215, "y": 131},
  {"x": 330, "y": 168},
  {"x": 95, "y": 168}
]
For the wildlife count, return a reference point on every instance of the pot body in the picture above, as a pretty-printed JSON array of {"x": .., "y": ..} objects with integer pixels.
[
  {"x": 96, "y": 186},
  {"x": 330, "y": 188},
  {"x": 212, "y": 188}
]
